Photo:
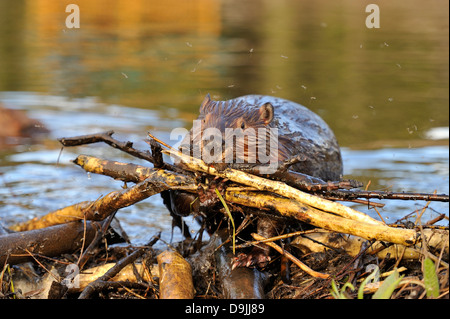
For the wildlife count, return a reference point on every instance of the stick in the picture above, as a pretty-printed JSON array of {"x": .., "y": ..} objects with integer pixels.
[
  {"x": 322, "y": 240},
  {"x": 107, "y": 138},
  {"x": 126, "y": 172},
  {"x": 298, "y": 180},
  {"x": 92, "y": 287},
  {"x": 158, "y": 181},
  {"x": 291, "y": 257},
  {"x": 315, "y": 217},
  {"x": 260, "y": 183},
  {"x": 346, "y": 194},
  {"x": 126, "y": 274}
]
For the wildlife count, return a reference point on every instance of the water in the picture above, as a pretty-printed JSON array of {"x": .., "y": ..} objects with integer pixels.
[{"x": 144, "y": 67}]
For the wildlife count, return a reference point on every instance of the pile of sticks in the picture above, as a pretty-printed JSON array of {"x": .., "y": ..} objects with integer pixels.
[{"x": 292, "y": 195}]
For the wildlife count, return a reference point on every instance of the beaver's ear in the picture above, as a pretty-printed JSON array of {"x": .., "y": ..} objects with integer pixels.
[
  {"x": 205, "y": 103},
  {"x": 266, "y": 113}
]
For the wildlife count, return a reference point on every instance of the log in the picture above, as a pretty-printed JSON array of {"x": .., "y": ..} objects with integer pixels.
[
  {"x": 51, "y": 241},
  {"x": 175, "y": 281},
  {"x": 238, "y": 283}
]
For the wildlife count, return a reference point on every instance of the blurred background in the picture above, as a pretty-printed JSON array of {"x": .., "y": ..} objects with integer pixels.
[{"x": 142, "y": 65}]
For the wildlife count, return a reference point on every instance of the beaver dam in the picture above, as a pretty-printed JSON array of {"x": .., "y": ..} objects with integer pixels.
[{"x": 325, "y": 249}]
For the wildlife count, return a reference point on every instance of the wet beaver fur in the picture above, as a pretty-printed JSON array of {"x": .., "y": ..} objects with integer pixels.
[{"x": 300, "y": 132}]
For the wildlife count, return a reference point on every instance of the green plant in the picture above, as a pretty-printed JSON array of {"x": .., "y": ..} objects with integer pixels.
[
  {"x": 231, "y": 218},
  {"x": 384, "y": 291},
  {"x": 430, "y": 278},
  {"x": 372, "y": 277},
  {"x": 388, "y": 286},
  {"x": 340, "y": 294}
]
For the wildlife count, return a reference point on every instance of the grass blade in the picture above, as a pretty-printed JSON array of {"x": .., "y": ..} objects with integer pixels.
[
  {"x": 231, "y": 218},
  {"x": 389, "y": 285},
  {"x": 430, "y": 278}
]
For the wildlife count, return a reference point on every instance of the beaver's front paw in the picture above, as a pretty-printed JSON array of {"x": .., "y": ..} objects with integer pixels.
[
  {"x": 208, "y": 196},
  {"x": 257, "y": 257}
]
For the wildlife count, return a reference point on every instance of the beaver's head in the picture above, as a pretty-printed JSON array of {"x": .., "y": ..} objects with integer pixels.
[
  {"x": 233, "y": 133},
  {"x": 234, "y": 114}
]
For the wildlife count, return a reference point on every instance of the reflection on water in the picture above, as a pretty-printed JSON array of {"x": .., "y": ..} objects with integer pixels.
[
  {"x": 387, "y": 84},
  {"x": 146, "y": 65}
]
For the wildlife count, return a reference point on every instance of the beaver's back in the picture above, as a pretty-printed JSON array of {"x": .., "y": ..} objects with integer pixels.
[{"x": 306, "y": 134}]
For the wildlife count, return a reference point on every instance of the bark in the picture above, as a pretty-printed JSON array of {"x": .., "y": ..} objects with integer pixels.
[
  {"x": 175, "y": 281},
  {"x": 51, "y": 241}
]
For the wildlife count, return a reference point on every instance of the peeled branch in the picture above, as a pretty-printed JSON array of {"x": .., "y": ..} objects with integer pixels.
[
  {"x": 175, "y": 276},
  {"x": 322, "y": 240},
  {"x": 315, "y": 217},
  {"x": 126, "y": 274},
  {"x": 157, "y": 181},
  {"x": 280, "y": 188},
  {"x": 332, "y": 218}
]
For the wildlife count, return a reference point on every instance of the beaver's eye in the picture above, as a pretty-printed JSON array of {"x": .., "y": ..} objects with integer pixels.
[{"x": 241, "y": 123}]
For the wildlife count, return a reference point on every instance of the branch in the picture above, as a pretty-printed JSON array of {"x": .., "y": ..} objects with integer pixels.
[
  {"x": 335, "y": 190},
  {"x": 321, "y": 240},
  {"x": 113, "y": 271},
  {"x": 156, "y": 181},
  {"x": 318, "y": 218},
  {"x": 350, "y": 195},
  {"x": 194, "y": 164},
  {"x": 357, "y": 224},
  {"x": 107, "y": 138}
]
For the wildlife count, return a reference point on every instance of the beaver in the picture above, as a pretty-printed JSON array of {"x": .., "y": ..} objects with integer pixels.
[
  {"x": 16, "y": 127},
  {"x": 297, "y": 132}
]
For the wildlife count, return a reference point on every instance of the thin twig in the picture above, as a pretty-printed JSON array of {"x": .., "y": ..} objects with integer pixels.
[
  {"x": 292, "y": 258},
  {"x": 275, "y": 238}
]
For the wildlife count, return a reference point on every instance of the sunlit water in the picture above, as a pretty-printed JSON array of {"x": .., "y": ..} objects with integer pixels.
[{"x": 39, "y": 178}]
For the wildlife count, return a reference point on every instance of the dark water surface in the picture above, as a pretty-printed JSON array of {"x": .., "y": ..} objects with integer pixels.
[{"x": 145, "y": 66}]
